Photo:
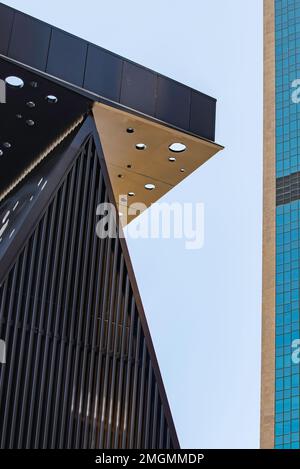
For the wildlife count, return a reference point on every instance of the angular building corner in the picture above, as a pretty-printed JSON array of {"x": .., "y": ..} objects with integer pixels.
[{"x": 81, "y": 370}]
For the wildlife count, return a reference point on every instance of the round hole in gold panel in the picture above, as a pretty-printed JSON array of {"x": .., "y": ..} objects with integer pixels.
[{"x": 177, "y": 147}]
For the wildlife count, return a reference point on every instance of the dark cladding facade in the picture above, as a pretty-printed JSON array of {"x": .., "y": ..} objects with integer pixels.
[
  {"x": 93, "y": 68},
  {"x": 81, "y": 371}
]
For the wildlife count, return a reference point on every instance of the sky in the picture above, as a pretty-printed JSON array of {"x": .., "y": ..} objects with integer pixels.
[{"x": 203, "y": 306}]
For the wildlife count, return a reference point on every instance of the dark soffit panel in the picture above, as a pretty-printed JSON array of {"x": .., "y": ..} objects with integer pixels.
[
  {"x": 173, "y": 102},
  {"x": 31, "y": 123},
  {"x": 30, "y": 41},
  {"x": 67, "y": 55},
  {"x": 68, "y": 60},
  {"x": 34, "y": 191},
  {"x": 139, "y": 88},
  {"x": 6, "y": 20}
]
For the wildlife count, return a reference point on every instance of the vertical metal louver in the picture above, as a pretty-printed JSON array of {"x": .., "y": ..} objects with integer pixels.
[{"x": 78, "y": 371}]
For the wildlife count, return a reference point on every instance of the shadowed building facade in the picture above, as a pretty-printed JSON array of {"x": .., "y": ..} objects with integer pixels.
[{"x": 81, "y": 370}]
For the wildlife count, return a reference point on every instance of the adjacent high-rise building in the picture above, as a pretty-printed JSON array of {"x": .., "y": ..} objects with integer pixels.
[
  {"x": 281, "y": 250},
  {"x": 82, "y": 127}
]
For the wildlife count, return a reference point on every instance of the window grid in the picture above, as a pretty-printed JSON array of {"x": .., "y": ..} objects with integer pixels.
[{"x": 287, "y": 374}]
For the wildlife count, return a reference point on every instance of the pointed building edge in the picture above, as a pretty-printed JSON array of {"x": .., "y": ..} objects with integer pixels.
[{"x": 14, "y": 250}]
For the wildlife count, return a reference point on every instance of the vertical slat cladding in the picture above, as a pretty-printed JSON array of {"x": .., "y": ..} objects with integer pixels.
[
  {"x": 50, "y": 341},
  {"x": 121, "y": 363},
  {"x": 14, "y": 349},
  {"x": 78, "y": 371},
  {"x": 65, "y": 287},
  {"x": 22, "y": 353},
  {"x": 58, "y": 339}
]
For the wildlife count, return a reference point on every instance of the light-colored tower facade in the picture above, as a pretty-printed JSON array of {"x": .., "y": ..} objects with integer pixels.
[{"x": 280, "y": 409}]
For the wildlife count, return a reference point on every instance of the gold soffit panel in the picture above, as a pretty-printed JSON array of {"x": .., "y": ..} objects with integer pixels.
[{"x": 146, "y": 159}]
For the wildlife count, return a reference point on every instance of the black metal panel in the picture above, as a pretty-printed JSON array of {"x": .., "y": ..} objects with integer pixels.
[
  {"x": 30, "y": 41},
  {"x": 78, "y": 371},
  {"x": 173, "y": 103},
  {"x": 139, "y": 88},
  {"x": 203, "y": 115},
  {"x": 288, "y": 188},
  {"x": 27, "y": 201},
  {"x": 67, "y": 56},
  {"x": 103, "y": 73},
  {"x": 50, "y": 120},
  {"x": 6, "y": 21},
  {"x": 68, "y": 60}
]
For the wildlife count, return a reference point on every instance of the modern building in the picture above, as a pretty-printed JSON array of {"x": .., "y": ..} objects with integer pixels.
[
  {"x": 280, "y": 411},
  {"x": 82, "y": 126}
]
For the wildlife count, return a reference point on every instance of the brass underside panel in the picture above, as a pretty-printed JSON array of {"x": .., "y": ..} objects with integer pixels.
[{"x": 131, "y": 169}]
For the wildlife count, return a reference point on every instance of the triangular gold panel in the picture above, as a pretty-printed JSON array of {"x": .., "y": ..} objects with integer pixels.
[{"x": 137, "y": 153}]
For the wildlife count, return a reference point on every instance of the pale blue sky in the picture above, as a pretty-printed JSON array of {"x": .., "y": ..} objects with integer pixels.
[{"x": 203, "y": 307}]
